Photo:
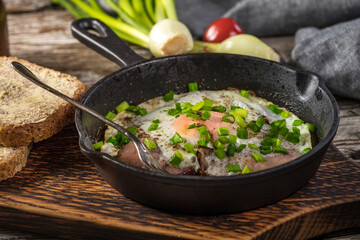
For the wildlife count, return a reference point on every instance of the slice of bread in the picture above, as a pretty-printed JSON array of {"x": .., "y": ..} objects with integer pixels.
[
  {"x": 29, "y": 113},
  {"x": 12, "y": 160}
]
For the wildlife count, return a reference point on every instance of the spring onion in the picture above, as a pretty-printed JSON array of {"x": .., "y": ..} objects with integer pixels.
[
  {"x": 258, "y": 157},
  {"x": 246, "y": 170},
  {"x": 98, "y": 145},
  {"x": 189, "y": 148},
  {"x": 110, "y": 115},
  {"x": 113, "y": 140},
  {"x": 306, "y": 150},
  {"x": 231, "y": 149},
  {"x": 153, "y": 127},
  {"x": 279, "y": 150},
  {"x": 260, "y": 122},
  {"x": 218, "y": 109},
  {"x": 285, "y": 114},
  {"x": 151, "y": 145},
  {"x": 253, "y": 146},
  {"x": 218, "y": 144},
  {"x": 275, "y": 108},
  {"x": 193, "y": 87},
  {"x": 232, "y": 139},
  {"x": 244, "y": 93},
  {"x": 122, "y": 106},
  {"x": 240, "y": 147},
  {"x": 232, "y": 168},
  {"x": 253, "y": 127},
  {"x": 205, "y": 115},
  {"x": 265, "y": 152},
  {"x": 310, "y": 126},
  {"x": 169, "y": 96},
  {"x": 176, "y": 139},
  {"x": 297, "y": 122},
  {"x": 242, "y": 133},
  {"x": 228, "y": 118},
  {"x": 176, "y": 159},
  {"x": 223, "y": 131},
  {"x": 208, "y": 104},
  {"x": 224, "y": 139},
  {"x": 137, "y": 110},
  {"x": 197, "y": 106},
  {"x": 191, "y": 126},
  {"x": 220, "y": 153}
]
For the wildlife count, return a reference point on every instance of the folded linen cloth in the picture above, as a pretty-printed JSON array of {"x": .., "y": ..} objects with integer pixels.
[{"x": 334, "y": 54}]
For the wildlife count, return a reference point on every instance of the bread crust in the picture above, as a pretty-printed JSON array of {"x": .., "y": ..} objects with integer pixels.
[
  {"x": 13, "y": 161},
  {"x": 16, "y": 135}
]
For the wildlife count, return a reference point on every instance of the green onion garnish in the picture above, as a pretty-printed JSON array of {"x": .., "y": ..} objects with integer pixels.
[
  {"x": 186, "y": 107},
  {"x": 231, "y": 149},
  {"x": 153, "y": 127},
  {"x": 218, "y": 109},
  {"x": 151, "y": 145},
  {"x": 276, "y": 142},
  {"x": 310, "y": 126},
  {"x": 240, "y": 121},
  {"x": 246, "y": 170},
  {"x": 228, "y": 118},
  {"x": 260, "y": 122},
  {"x": 122, "y": 106},
  {"x": 202, "y": 129},
  {"x": 178, "y": 106},
  {"x": 192, "y": 115},
  {"x": 176, "y": 139},
  {"x": 208, "y": 104},
  {"x": 193, "y": 87},
  {"x": 240, "y": 147},
  {"x": 113, "y": 140},
  {"x": 306, "y": 150},
  {"x": 205, "y": 115},
  {"x": 265, "y": 152},
  {"x": 284, "y": 131},
  {"x": 274, "y": 108},
  {"x": 191, "y": 126},
  {"x": 244, "y": 93},
  {"x": 197, "y": 106},
  {"x": 264, "y": 147},
  {"x": 223, "y": 131},
  {"x": 218, "y": 144},
  {"x": 223, "y": 139},
  {"x": 203, "y": 142},
  {"x": 173, "y": 112},
  {"x": 189, "y": 148},
  {"x": 110, "y": 115},
  {"x": 258, "y": 157},
  {"x": 279, "y": 124},
  {"x": 122, "y": 138},
  {"x": 273, "y": 132},
  {"x": 285, "y": 114},
  {"x": 156, "y": 121},
  {"x": 297, "y": 122},
  {"x": 98, "y": 145},
  {"x": 242, "y": 133},
  {"x": 232, "y": 139},
  {"x": 253, "y": 146},
  {"x": 232, "y": 168},
  {"x": 296, "y": 131},
  {"x": 293, "y": 138},
  {"x": 253, "y": 127},
  {"x": 220, "y": 153},
  {"x": 267, "y": 141},
  {"x": 169, "y": 96},
  {"x": 176, "y": 159},
  {"x": 137, "y": 110},
  {"x": 279, "y": 150}
]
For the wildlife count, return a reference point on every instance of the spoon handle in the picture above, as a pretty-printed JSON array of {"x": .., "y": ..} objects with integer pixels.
[{"x": 144, "y": 153}]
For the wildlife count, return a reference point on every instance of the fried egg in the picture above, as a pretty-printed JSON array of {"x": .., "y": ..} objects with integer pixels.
[{"x": 201, "y": 128}]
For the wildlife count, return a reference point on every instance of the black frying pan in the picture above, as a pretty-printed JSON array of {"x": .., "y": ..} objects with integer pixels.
[{"x": 301, "y": 92}]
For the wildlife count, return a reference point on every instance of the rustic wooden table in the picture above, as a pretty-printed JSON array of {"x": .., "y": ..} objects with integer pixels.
[{"x": 40, "y": 33}]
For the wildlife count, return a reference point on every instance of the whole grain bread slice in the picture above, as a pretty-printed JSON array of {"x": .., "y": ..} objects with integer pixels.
[
  {"x": 12, "y": 160},
  {"x": 27, "y": 112}
]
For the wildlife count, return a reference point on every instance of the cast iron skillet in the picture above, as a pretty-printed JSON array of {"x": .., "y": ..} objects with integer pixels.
[{"x": 301, "y": 92}]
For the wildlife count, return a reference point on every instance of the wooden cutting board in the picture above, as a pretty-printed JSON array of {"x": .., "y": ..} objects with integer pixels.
[{"x": 59, "y": 193}]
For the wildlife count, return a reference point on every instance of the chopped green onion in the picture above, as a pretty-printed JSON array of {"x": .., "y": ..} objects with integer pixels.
[
  {"x": 231, "y": 149},
  {"x": 122, "y": 106},
  {"x": 240, "y": 121},
  {"x": 220, "y": 153},
  {"x": 197, "y": 106},
  {"x": 273, "y": 133},
  {"x": 285, "y": 114},
  {"x": 276, "y": 142},
  {"x": 279, "y": 150},
  {"x": 133, "y": 130},
  {"x": 253, "y": 146},
  {"x": 306, "y": 150},
  {"x": 153, "y": 127},
  {"x": 218, "y": 109},
  {"x": 310, "y": 126},
  {"x": 267, "y": 141},
  {"x": 208, "y": 103},
  {"x": 156, "y": 121},
  {"x": 137, "y": 110},
  {"x": 122, "y": 138},
  {"x": 203, "y": 142},
  {"x": 242, "y": 133},
  {"x": 226, "y": 118},
  {"x": 297, "y": 122},
  {"x": 232, "y": 139},
  {"x": 176, "y": 139},
  {"x": 223, "y": 131},
  {"x": 244, "y": 93},
  {"x": 186, "y": 107},
  {"x": 110, "y": 115},
  {"x": 293, "y": 138},
  {"x": 265, "y": 152},
  {"x": 224, "y": 139},
  {"x": 202, "y": 129},
  {"x": 258, "y": 157},
  {"x": 192, "y": 115},
  {"x": 253, "y": 127},
  {"x": 189, "y": 148},
  {"x": 218, "y": 144},
  {"x": 246, "y": 170},
  {"x": 151, "y": 145},
  {"x": 191, "y": 126},
  {"x": 173, "y": 112},
  {"x": 98, "y": 145},
  {"x": 274, "y": 108},
  {"x": 240, "y": 147},
  {"x": 232, "y": 168},
  {"x": 193, "y": 87},
  {"x": 279, "y": 124},
  {"x": 176, "y": 159},
  {"x": 260, "y": 122},
  {"x": 263, "y": 147},
  {"x": 178, "y": 106},
  {"x": 169, "y": 96},
  {"x": 241, "y": 112},
  {"x": 113, "y": 140},
  {"x": 296, "y": 131},
  {"x": 284, "y": 131},
  {"x": 205, "y": 115}
]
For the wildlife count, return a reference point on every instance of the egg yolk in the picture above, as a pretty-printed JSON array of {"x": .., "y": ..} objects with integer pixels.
[{"x": 181, "y": 124}]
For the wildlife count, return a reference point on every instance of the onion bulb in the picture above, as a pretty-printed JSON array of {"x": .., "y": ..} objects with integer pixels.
[
  {"x": 170, "y": 37},
  {"x": 249, "y": 45}
]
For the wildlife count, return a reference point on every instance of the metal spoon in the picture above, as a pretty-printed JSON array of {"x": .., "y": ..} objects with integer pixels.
[{"x": 143, "y": 152}]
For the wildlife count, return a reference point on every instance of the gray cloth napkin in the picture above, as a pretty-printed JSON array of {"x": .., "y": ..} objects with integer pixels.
[{"x": 334, "y": 54}]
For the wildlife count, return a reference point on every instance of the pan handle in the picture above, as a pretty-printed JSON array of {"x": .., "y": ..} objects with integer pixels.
[{"x": 105, "y": 42}]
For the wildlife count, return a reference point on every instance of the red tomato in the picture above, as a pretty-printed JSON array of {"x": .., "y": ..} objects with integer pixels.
[{"x": 221, "y": 29}]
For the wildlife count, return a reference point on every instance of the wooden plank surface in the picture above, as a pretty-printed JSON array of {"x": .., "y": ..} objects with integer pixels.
[
  {"x": 39, "y": 32},
  {"x": 60, "y": 188}
]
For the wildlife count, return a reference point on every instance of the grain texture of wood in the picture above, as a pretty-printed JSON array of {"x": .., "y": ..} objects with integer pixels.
[{"x": 67, "y": 193}]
